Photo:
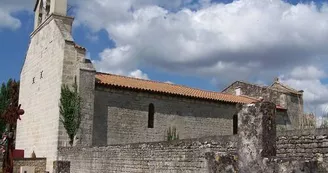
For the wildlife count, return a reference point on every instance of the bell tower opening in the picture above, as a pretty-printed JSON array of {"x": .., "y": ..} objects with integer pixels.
[{"x": 45, "y": 8}]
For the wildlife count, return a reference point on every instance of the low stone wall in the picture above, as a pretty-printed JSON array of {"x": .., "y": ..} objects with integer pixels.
[
  {"x": 177, "y": 156},
  {"x": 309, "y": 144},
  {"x": 38, "y": 163},
  {"x": 256, "y": 148}
]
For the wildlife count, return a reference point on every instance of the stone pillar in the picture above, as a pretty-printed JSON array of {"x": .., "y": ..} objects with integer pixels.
[
  {"x": 62, "y": 167},
  {"x": 87, "y": 94},
  {"x": 257, "y": 136}
]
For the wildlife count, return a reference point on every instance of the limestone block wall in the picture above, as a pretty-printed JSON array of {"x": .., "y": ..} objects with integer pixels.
[
  {"x": 39, "y": 95},
  {"x": 121, "y": 116},
  {"x": 303, "y": 144},
  {"x": 51, "y": 60},
  {"x": 39, "y": 164},
  {"x": 179, "y": 156},
  {"x": 292, "y": 102}
]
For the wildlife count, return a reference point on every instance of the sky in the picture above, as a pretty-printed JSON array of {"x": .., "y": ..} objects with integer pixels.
[{"x": 199, "y": 43}]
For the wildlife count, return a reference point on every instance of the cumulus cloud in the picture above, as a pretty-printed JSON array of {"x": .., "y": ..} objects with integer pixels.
[
  {"x": 315, "y": 91},
  {"x": 307, "y": 73},
  {"x": 139, "y": 74},
  {"x": 243, "y": 40},
  {"x": 7, "y": 10},
  {"x": 224, "y": 41}
]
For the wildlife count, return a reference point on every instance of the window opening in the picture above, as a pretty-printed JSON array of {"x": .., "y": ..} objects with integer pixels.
[
  {"x": 235, "y": 124},
  {"x": 151, "y": 112}
]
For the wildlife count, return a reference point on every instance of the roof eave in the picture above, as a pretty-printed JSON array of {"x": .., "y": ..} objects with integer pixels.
[{"x": 166, "y": 93}]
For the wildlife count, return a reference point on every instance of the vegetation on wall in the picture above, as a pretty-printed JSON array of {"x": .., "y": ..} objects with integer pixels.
[
  {"x": 70, "y": 110},
  {"x": 172, "y": 134}
]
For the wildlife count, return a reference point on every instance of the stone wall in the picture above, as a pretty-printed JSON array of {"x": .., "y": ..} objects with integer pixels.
[
  {"x": 292, "y": 102},
  {"x": 39, "y": 164},
  {"x": 52, "y": 59},
  {"x": 177, "y": 156},
  {"x": 252, "y": 150},
  {"x": 121, "y": 116},
  {"x": 309, "y": 144},
  {"x": 38, "y": 129}
]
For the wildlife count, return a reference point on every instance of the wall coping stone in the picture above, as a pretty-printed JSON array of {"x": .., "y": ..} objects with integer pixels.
[
  {"x": 19, "y": 159},
  {"x": 303, "y": 132},
  {"x": 224, "y": 140}
]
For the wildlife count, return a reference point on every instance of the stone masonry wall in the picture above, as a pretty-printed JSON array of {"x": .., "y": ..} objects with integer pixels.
[
  {"x": 252, "y": 150},
  {"x": 303, "y": 144},
  {"x": 293, "y": 102},
  {"x": 121, "y": 116},
  {"x": 39, "y": 164},
  {"x": 38, "y": 129},
  {"x": 52, "y": 60},
  {"x": 165, "y": 157}
]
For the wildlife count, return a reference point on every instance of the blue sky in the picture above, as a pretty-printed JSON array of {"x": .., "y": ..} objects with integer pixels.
[{"x": 208, "y": 47}]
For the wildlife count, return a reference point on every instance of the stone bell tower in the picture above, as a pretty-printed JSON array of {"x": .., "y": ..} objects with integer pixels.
[
  {"x": 52, "y": 59},
  {"x": 44, "y": 8}
]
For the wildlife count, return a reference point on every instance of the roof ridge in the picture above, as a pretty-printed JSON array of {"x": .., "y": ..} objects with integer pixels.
[
  {"x": 153, "y": 81},
  {"x": 285, "y": 86},
  {"x": 241, "y": 81},
  {"x": 265, "y": 86}
]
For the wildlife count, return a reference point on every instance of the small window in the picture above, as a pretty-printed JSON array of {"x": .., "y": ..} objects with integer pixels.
[
  {"x": 235, "y": 124},
  {"x": 151, "y": 112},
  {"x": 33, "y": 81},
  {"x": 41, "y": 74}
]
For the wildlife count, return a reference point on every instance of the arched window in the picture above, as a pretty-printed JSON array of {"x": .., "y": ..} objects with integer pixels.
[
  {"x": 151, "y": 112},
  {"x": 235, "y": 124}
]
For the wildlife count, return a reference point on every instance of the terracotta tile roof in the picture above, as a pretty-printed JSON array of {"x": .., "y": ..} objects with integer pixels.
[
  {"x": 79, "y": 47},
  {"x": 166, "y": 88}
]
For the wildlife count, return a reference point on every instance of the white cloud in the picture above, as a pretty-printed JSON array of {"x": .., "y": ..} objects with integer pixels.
[
  {"x": 139, "y": 74},
  {"x": 169, "y": 82},
  {"x": 308, "y": 73},
  {"x": 315, "y": 92},
  {"x": 7, "y": 21},
  {"x": 7, "y": 10},
  {"x": 224, "y": 41},
  {"x": 92, "y": 37}
]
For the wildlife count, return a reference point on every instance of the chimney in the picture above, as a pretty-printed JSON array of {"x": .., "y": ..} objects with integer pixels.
[{"x": 238, "y": 91}]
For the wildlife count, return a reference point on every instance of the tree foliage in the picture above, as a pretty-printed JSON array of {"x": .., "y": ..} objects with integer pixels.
[
  {"x": 6, "y": 97},
  {"x": 70, "y": 110}
]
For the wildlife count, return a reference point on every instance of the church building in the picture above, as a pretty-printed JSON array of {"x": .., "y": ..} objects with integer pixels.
[{"x": 117, "y": 109}]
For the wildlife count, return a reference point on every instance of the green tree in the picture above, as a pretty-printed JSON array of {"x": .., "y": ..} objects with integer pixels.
[
  {"x": 6, "y": 93},
  {"x": 70, "y": 110}
]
